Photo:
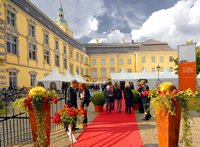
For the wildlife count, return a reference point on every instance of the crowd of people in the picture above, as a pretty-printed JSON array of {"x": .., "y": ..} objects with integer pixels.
[
  {"x": 119, "y": 90},
  {"x": 113, "y": 93}
]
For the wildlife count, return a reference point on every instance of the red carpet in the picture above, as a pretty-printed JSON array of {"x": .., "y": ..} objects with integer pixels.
[{"x": 111, "y": 130}]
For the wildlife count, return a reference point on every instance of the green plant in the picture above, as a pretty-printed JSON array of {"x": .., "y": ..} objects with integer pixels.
[
  {"x": 136, "y": 96},
  {"x": 98, "y": 98},
  {"x": 163, "y": 99},
  {"x": 1, "y": 104}
]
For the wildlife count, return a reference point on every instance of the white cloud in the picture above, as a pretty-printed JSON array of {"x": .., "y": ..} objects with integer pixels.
[
  {"x": 80, "y": 14},
  {"x": 174, "y": 25},
  {"x": 114, "y": 36},
  {"x": 93, "y": 24}
]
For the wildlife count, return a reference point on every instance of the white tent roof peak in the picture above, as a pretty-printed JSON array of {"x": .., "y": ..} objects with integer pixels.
[{"x": 68, "y": 76}]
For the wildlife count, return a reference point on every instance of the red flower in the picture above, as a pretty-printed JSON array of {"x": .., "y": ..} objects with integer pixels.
[
  {"x": 145, "y": 93},
  {"x": 196, "y": 102},
  {"x": 27, "y": 102},
  {"x": 56, "y": 118},
  {"x": 66, "y": 106},
  {"x": 71, "y": 112},
  {"x": 55, "y": 100}
]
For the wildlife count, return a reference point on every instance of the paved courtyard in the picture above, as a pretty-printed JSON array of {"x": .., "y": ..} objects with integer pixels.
[{"x": 148, "y": 131}]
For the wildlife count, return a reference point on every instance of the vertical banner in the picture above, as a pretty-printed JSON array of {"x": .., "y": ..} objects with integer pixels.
[{"x": 187, "y": 67}]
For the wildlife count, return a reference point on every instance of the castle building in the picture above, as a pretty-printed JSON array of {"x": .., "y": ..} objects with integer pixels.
[{"x": 31, "y": 45}]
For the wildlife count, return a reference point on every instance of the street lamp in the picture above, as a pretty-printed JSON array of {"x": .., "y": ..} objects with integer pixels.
[{"x": 158, "y": 69}]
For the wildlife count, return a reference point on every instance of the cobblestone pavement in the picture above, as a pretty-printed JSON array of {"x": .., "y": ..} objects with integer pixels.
[{"x": 148, "y": 131}]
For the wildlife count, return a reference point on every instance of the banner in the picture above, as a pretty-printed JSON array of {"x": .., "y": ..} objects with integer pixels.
[{"x": 187, "y": 67}]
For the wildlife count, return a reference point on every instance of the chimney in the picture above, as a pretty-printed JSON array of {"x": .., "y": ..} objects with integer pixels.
[
  {"x": 97, "y": 40},
  {"x": 132, "y": 41},
  {"x": 122, "y": 41}
]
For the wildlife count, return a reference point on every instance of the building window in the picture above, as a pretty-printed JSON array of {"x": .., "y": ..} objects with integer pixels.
[
  {"x": 161, "y": 59},
  {"x": 11, "y": 18},
  {"x": 70, "y": 51},
  {"x": 171, "y": 59},
  {"x": 112, "y": 70},
  {"x": 57, "y": 60},
  {"x": 103, "y": 61},
  {"x": 71, "y": 69},
  {"x": 82, "y": 59},
  {"x": 32, "y": 51},
  {"x": 87, "y": 71},
  {"x": 13, "y": 79},
  {"x": 33, "y": 79},
  {"x": 171, "y": 69},
  {"x": 94, "y": 72},
  {"x": 161, "y": 69},
  {"x": 129, "y": 70},
  {"x": 46, "y": 56},
  {"x": 153, "y": 59},
  {"x": 82, "y": 72},
  {"x": 56, "y": 45},
  {"x": 121, "y": 61},
  {"x": 153, "y": 69},
  {"x": 32, "y": 30},
  {"x": 94, "y": 61},
  {"x": 112, "y": 61},
  {"x": 11, "y": 44},
  {"x": 143, "y": 59},
  {"x": 46, "y": 39},
  {"x": 86, "y": 60},
  {"x": 77, "y": 56},
  {"x": 77, "y": 70},
  {"x": 103, "y": 72},
  {"x": 129, "y": 61},
  {"x": 65, "y": 50},
  {"x": 65, "y": 63}
]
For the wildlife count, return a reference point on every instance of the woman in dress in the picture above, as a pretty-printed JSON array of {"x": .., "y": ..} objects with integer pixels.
[
  {"x": 128, "y": 96},
  {"x": 85, "y": 97}
]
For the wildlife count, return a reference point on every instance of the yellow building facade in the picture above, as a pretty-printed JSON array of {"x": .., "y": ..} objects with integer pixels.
[{"x": 31, "y": 45}]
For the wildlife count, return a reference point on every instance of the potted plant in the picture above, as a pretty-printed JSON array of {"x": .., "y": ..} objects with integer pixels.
[
  {"x": 98, "y": 99},
  {"x": 37, "y": 102},
  {"x": 168, "y": 103},
  {"x": 67, "y": 116},
  {"x": 135, "y": 99}
]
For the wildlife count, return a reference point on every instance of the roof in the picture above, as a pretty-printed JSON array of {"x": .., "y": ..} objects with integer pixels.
[
  {"x": 34, "y": 12},
  {"x": 105, "y": 48}
]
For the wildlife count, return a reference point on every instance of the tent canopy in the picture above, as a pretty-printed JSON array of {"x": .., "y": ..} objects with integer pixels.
[
  {"x": 122, "y": 76},
  {"x": 68, "y": 76},
  {"x": 79, "y": 78}
]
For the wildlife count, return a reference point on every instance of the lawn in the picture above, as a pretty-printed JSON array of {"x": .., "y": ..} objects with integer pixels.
[{"x": 3, "y": 111}]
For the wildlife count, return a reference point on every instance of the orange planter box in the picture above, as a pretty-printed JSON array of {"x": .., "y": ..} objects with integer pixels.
[
  {"x": 98, "y": 108},
  {"x": 168, "y": 127}
]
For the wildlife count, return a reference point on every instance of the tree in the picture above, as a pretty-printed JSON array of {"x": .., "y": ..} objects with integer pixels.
[{"x": 197, "y": 58}]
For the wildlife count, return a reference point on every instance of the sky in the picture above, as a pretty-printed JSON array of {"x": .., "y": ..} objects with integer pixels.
[{"x": 171, "y": 21}]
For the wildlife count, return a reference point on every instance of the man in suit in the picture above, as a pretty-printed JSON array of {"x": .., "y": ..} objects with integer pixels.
[
  {"x": 118, "y": 96},
  {"x": 72, "y": 98}
]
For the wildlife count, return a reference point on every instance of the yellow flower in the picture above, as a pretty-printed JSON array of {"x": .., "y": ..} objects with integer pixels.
[{"x": 37, "y": 91}]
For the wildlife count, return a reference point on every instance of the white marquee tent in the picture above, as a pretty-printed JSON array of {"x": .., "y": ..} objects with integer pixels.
[
  {"x": 152, "y": 77},
  {"x": 53, "y": 77},
  {"x": 79, "y": 78},
  {"x": 68, "y": 76}
]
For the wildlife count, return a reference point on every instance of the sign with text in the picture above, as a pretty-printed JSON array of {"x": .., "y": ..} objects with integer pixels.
[{"x": 187, "y": 67}]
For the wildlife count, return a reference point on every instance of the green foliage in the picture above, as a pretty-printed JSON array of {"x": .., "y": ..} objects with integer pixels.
[
  {"x": 3, "y": 111},
  {"x": 136, "y": 96},
  {"x": 98, "y": 98},
  {"x": 176, "y": 65},
  {"x": 1, "y": 104}
]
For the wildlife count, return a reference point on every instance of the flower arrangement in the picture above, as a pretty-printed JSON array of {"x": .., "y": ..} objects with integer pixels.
[
  {"x": 36, "y": 100},
  {"x": 67, "y": 115},
  {"x": 166, "y": 99}
]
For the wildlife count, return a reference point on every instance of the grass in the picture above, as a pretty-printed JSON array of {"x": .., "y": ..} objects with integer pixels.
[{"x": 3, "y": 111}]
